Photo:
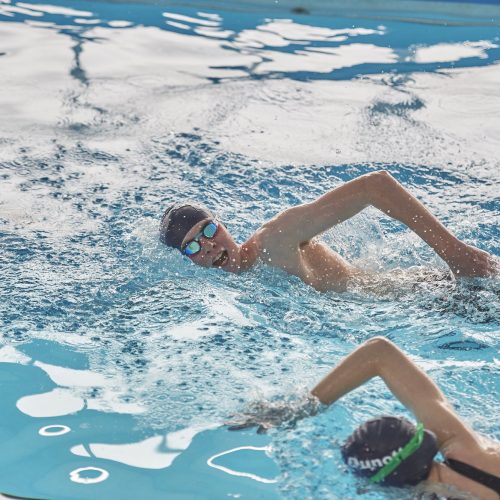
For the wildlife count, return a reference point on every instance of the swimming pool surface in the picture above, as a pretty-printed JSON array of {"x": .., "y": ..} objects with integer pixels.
[{"x": 119, "y": 360}]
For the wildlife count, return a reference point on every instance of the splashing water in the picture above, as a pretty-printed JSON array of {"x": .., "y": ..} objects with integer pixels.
[{"x": 113, "y": 112}]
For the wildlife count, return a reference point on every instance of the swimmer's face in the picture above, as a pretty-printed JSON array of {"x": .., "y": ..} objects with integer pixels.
[{"x": 220, "y": 251}]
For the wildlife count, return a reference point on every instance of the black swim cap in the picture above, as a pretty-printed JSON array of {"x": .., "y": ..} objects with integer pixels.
[
  {"x": 178, "y": 220},
  {"x": 373, "y": 444}
]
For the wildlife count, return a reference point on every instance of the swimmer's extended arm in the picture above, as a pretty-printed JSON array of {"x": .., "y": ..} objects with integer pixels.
[
  {"x": 382, "y": 191},
  {"x": 411, "y": 385}
]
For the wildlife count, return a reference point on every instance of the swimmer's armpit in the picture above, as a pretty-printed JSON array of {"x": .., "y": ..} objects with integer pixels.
[{"x": 276, "y": 413}]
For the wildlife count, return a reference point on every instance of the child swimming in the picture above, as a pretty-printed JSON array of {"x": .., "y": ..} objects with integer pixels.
[{"x": 289, "y": 241}]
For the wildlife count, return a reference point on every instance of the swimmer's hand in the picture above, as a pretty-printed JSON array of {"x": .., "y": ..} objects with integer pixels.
[
  {"x": 278, "y": 413},
  {"x": 467, "y": 261}
]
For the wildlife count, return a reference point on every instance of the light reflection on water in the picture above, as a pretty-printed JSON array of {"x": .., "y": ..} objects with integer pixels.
[
  {"x": 115, "y": 110},
  {"x": 271, "y": 46}
]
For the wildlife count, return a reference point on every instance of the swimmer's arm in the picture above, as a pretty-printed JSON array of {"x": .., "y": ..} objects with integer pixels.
[
  {"x": 411, "y": 385},
  {"x": 377, "y": 189},
  {"x": 382, "y": 191}
]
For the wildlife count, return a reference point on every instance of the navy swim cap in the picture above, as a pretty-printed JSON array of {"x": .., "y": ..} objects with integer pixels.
[
  {"x": 373, "y": 444},
  {"x": 178, "y": 220}
]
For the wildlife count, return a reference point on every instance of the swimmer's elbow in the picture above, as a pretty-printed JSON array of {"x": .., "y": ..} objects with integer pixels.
[
  {"x": 379, "y": 185},
  {"x": 380, "y": 349},
  {"x": 378, "y": 182},
  {"x": 379, "y": 343},
  {"x": 382, "y": 176}
]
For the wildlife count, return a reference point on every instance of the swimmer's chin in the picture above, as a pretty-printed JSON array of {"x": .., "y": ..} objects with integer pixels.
[
  {"x": 232, "y": 267},
  {"x": 238, "y": 260},
  {"x": 226, "y": 263}
]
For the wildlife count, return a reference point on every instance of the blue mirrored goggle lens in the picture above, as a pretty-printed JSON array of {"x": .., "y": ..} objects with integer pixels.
[
  {"x": 209, "y": 230},
  {"x": 192, "y": 248}
]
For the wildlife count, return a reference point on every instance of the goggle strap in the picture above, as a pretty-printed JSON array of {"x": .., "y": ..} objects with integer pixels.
[{"x": 411, "y": 447}]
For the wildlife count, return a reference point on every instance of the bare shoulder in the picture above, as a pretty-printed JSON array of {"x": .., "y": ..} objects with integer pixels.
[
  {"x": 269, "y": 232},
  {"x": 264, "y": 242},
  {"x": 279, "y": 219},
  {"x": 287, "y": 226},
  {"x": 255, "y": 242},
  {"x": 270, "y": 244}
]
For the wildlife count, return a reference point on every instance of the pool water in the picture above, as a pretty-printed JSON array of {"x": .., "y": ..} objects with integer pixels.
[{"x": 119, "y": 360}]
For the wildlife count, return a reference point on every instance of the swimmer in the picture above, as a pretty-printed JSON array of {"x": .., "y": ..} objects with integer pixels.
[
  {"x": 390, "y": 450},
  {"x": 290, "y": 241}
]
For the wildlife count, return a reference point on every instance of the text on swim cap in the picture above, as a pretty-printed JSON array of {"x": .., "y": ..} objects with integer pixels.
[{"x": 371, "y": 464}]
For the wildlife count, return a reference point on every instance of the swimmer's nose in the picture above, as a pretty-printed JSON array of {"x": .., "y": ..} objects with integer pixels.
[{"x": 208, "y": 245}]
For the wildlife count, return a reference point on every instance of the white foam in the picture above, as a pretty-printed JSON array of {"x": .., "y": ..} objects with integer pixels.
[
  {"x": 143, "y": 454},
  {"x": 233, "y": 472},
  {"x": 294, "y": 31},
  {"x": 68, "y": 377},
  {"x": 193, "y": 20},
  {"x": 119, "y": 24},
  {"x": 181, "y": 440}
]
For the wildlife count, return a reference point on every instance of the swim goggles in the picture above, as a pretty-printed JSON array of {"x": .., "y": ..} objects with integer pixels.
[
  {"x": 409, "y": 449},
  {"x": 193, "y": 246}
]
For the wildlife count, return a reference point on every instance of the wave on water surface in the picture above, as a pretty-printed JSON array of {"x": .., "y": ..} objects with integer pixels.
[{"x": 117, "y": 109}]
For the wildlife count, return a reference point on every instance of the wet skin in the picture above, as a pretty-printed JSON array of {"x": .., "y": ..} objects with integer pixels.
[
  {"x": 378, "y": 357},
  {"x": 221, "y": 245},
  {"x": 314, "y": 262},
  {"x": 289, "y": 240}
]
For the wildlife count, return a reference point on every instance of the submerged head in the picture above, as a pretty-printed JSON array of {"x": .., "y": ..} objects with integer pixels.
[
  {"x": 196, "y": 233},
  {"x": 391, "y": 451}
]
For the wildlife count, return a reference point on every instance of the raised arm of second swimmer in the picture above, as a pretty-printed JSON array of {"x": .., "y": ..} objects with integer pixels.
[{"x": 411, "y": 385}]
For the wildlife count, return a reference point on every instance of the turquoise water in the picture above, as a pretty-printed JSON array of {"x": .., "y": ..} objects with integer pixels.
[{"x": 119, "y": 361}]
